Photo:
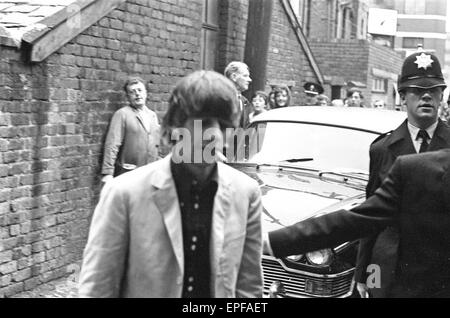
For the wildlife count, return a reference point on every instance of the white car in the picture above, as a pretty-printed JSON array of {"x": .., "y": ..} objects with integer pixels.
[{"x": 308, "y": 161}]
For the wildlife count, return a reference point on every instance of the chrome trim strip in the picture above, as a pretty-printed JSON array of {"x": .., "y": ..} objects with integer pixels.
[{"x": 292, "y": 270}]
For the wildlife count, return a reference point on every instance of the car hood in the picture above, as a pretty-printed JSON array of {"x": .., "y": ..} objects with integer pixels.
[{"x": 292, "y": 195}]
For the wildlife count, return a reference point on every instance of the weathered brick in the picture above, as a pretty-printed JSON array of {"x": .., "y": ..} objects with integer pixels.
[
  {"x": 14, "y": 230},
  {"x": 21, "y": 275},
  {"x": 5, "y": 280},
  {"x": 8, "y": 268},
  {"x": 31, "y": 283},
  {"x": 25, "y": 227},
  {"x": 39, "y": 257},
  {"x": 24, "y": 263},
  {"x": 12, "y": 289},
  {"x": 116, "y": 24},
  {"x": 6, "y": 257}
]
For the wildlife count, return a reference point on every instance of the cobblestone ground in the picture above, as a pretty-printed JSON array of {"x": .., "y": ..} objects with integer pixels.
[
  {"x": 66, "y": 287},
  {"x": 61, "y": 288}
]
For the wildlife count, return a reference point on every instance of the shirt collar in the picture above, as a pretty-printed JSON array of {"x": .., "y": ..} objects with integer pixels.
[
  {"x": 139, "y": 110},
  {"x": 180, "y": 172},
  {"x": 413, "y": 130}
]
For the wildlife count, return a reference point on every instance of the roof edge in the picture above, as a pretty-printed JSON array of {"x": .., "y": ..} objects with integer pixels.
[
  {"x": 55, "y": 19},
  {"x": 64, "y": 25},
  {"x": 7, "y": 39}
]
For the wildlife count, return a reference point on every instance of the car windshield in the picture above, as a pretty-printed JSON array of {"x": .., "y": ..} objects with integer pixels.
[{"x": 317, "y": 146}]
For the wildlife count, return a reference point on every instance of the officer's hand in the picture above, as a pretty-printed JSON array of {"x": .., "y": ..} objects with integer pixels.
[
  {"x": 362, "y": 290},
  {"x": 267, "y": 249},
  {"x": 107, "y": 178}
]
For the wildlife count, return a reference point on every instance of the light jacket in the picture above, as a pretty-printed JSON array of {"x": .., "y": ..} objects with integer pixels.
[
  {"x": 135, "y": 245},
  {"x": 128, "y": 143}
]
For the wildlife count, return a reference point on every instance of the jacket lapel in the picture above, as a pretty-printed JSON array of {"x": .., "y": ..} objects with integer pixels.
[
  {"x": 220, "y": 211},
  {"x": 166, "y": 200},
  {"x": 441, "y": 138},
  {"x": 140, "y": 119}
]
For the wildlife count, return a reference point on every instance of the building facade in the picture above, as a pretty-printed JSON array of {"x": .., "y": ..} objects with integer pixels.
[
  {"x": 346, "y": 54},
  {"x": 370, "y": 67},
  {"x": 421, "y": 22}
]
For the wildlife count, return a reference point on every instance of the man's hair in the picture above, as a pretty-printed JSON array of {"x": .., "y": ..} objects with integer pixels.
[
  {"x": 131, "y": 81},
  {"x": 234, "y": 67},
  {"x": 353, "y": 90},
  {"x": 202, "y": 94}
]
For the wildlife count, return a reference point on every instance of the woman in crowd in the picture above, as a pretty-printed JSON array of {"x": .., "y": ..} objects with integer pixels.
[
  {"x": 271, "y": 99},
  {"x": 259, "y": 102},
  {"x": 282, "y": 96}
]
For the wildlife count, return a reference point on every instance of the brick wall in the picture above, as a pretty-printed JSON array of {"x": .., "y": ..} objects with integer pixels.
[
  {"x": 338, "y": 57},
  {"x": 286, "y": 61},
  {"x": 354, "y": 60},
  {"x": 232, "y": 32},
  {"x": 54, "y": 117},
  {"x": 344, "y": 59}
]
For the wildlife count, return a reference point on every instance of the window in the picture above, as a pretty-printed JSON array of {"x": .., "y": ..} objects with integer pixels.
[
  {"x": 210, "y": 34},
  {"x": 363, "y": 28},
  {"x": 415, "y": 7},
  {"x": 336, "y": 92},
  {"x": 412, "y": 43},
  {"x": 379, "y": 85},
  {"x": 302, "y": 9},
  {"x": 346, "y": 26}
]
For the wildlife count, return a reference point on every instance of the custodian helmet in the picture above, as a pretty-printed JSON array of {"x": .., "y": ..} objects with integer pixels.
[{"x": 421, "y": 70}]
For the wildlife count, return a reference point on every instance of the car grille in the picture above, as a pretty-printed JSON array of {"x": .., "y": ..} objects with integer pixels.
[{"x": 302, "y": 284}]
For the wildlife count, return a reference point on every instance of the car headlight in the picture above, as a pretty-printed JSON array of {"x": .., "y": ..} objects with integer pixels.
[
  {"x": 295, "y": 258},
  {"x": 321, "y": 257}
]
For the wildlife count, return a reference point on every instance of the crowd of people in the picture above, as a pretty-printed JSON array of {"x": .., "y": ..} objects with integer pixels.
[{"x": 170, "y": 227}]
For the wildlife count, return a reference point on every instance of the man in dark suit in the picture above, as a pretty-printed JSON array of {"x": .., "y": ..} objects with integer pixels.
[
  {"x": 421, "y": 86},
  {"x": 416, "y": 197}
]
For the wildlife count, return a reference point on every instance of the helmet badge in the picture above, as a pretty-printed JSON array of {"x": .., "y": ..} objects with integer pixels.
[{"x": 423, "y": 60}]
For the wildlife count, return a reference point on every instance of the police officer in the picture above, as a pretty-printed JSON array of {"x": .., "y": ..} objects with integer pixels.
[
  {"x": 311, "y": 91},
  {"x": 421, "y": 87}
]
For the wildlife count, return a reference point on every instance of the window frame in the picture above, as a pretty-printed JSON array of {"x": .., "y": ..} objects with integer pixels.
[{"x": 209, "y": 35}]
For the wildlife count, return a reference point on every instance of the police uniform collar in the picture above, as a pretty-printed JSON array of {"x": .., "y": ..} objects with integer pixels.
[
  {"x": 413, "y": 130},
  {"x": 400, "y": 133}
]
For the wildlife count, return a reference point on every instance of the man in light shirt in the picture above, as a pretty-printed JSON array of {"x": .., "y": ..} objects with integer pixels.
[{"x": 133, "y": 135}]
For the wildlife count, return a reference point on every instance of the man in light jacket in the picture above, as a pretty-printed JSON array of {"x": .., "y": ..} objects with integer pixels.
[
  {"x": 184, "y": 226},
  {"x": 133, "y": 135}
]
